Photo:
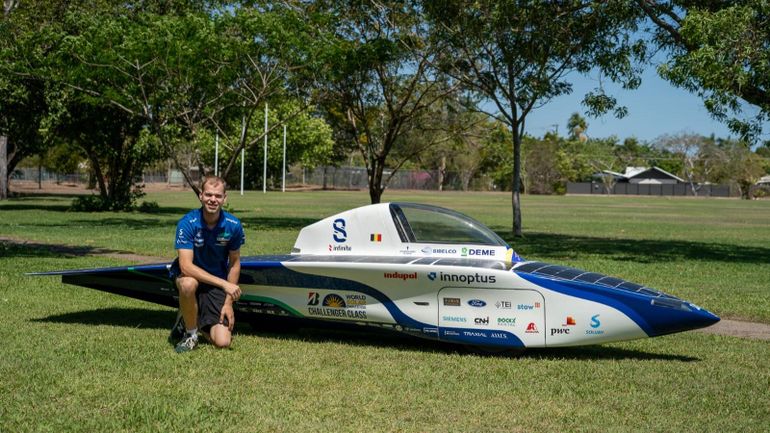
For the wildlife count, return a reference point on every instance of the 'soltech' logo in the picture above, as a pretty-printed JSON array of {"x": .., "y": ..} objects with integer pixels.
[{"x": 340, "y": 233}]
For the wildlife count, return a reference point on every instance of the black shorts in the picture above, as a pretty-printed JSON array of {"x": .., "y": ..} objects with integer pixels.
[{"x": 210, "y": 301}]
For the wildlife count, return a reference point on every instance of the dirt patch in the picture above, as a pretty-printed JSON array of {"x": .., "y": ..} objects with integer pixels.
[{"x": 738, "y": 328}]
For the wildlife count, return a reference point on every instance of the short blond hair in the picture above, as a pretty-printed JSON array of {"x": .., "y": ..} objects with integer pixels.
[{"x": 213, "y": 181}]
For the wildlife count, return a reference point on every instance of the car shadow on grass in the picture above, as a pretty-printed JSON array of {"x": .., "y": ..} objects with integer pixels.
[
  {"x": 14, "y": 248},
  {"x": 559, "y": 247},
  {"x": 322, "y": 333}
]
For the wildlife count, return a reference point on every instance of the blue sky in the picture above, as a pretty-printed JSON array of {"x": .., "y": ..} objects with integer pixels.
[{"x": 654, "y": 109}]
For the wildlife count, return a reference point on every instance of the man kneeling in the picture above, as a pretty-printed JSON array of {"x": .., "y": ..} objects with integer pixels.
[{"x": 207, "y": 269}]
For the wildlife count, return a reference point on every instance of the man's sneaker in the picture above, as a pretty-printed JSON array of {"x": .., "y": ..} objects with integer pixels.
[
  {"x": 188, "y": 343},
  {"x": 177, "y": 332}
]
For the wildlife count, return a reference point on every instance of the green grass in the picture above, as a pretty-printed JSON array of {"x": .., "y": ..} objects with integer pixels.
[{"x": 74, "y": 359}]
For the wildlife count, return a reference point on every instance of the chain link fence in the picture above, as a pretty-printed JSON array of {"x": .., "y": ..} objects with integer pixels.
[{"x": 326, "y": 177}]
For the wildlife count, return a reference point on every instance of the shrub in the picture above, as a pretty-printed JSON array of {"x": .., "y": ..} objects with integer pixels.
[
  {"x": 90, "y": 203},
  {"x": 149, "y": 207}
]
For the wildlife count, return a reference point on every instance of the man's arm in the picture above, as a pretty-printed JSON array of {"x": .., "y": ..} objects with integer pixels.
[
  {"x": 233, "y": 274},
  {"x": 189, "y": 269}
]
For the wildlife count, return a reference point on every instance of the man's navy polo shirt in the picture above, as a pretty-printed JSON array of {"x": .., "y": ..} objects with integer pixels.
[{"x": 211, "y": 247}]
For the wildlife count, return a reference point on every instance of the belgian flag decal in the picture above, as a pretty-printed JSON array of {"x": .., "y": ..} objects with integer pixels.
[{"x": 375, "y": 237}]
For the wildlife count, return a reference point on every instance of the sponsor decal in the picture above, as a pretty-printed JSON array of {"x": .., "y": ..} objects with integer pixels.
[
  {"x": 356, "y": 300},
  {"x": 334, "y": 300},
  {"x": 499, "y": 335},
  {"x": 400, "y": 276},
  {"x": 560, "y": 331},
  {"x": 532, "y": 328},
  {"x": 503, "y": 305},
  {"x": 431, "y": 250},
  {"x": 430, "y": 331},
  {"x": 340, "y": 248},
  {"x": 452, "y": 302},
  {"x": 450, "y": 332},
  {"x": 457, "y": 319},
  {"x": 570, "y": 321},
  {"x": 476, "y": 252},
  {"x": 484, "y": 321},
  {"x": 481, "y": 334},
  {"x": 465, "y": 278},
  {"x": 312, "y": 298},
  {"x": 478, "y": 303},
  {"x": 407, "y": 251},
  {"x": 339, "y": 234},
  {"x": 224, "y": 238},
  {"x": 595, "y": 324},
  {"x": 528, "y": 306},
  {"x": 333, "y": 305},
  {"x": 375, "y": 237},
  {"x": 432, "y": 276},
  {"x": 198, "y": 239},
  {"x": 506, "y": 321}
]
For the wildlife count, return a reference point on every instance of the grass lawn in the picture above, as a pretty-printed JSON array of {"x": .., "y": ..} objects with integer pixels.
[{"x": 74, "y": 359}]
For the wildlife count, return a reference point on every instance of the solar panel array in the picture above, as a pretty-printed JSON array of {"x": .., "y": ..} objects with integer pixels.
[{"x": 571, "y": 274}]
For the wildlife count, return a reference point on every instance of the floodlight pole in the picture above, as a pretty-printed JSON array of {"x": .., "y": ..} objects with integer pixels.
[
  {"x": 283, "y": 179},
  {"x": 264, "y": 161},
  {"x": 216, "y": 155}
]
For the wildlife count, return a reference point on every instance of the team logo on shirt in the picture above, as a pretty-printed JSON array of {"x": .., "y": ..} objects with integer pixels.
[
  {"x": 224, "y": 238},
  {"x": 198, "y": 239}
]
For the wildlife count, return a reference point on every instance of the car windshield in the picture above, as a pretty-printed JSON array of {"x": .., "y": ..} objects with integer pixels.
[{"x": 431, "y": 224}]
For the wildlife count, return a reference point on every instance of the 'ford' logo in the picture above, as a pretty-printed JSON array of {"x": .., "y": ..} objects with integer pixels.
[{"x": 476, "y": 303}]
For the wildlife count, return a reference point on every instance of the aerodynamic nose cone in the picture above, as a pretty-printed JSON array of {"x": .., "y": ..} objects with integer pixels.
[
  {"x": 704, "y": 317},
  {"x": 688, "y": 316}
]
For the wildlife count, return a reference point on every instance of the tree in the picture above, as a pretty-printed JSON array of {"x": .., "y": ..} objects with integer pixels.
[
  {"x": 742, "y": 168},
  {"x": 698, "y": 155},
  {"x": 381, "y": 84},
  {"x": 22, "y": 95},
  {"x": 8, "y": 6},
  {"x": 719, "y": 50},
  {"x": 577, "y": 126},
  {"x": 518, "y": 54}
]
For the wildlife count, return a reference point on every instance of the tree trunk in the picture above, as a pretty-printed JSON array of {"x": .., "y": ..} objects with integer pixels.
[
  {"x": 441, "y": 172},
  {"x": 516, "y": 183},
  {"x": 375, "y": 182},
  {"x": 3, "y": 167}
]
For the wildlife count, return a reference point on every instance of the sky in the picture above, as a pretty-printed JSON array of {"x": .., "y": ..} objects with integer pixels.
[{"x": 654, "y": 109}]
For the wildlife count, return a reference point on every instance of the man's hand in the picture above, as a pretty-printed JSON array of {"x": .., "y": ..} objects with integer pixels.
[
  {"x": 233, "y": 290},
  {"x": 227, "y": 313}
]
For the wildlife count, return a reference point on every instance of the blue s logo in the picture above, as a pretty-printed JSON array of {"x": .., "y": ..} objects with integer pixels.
[
  {"x": 595, "y": 323},
  {"x": 340, "y": 235},
  {"x": 431, "y": 276}
]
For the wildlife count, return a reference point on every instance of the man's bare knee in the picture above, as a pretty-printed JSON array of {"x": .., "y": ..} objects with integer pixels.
[
  {"x": 187, "y": 286},
  {"x": 220, "y": 336}
]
